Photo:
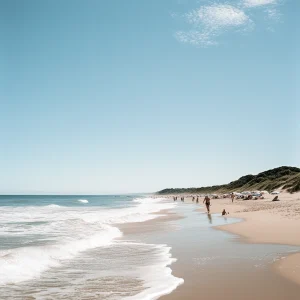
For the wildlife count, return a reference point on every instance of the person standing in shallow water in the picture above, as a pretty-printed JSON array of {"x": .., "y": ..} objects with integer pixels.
[{"x": 207, "y": 203}]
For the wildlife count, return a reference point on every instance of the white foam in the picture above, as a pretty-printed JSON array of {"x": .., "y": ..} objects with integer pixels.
[
  {"x": 71, "y": 231},
  {"x": 158, "y": 279},
  {"x": 21, "y": 264},
  {"x": 83, "y": 201},
  {"x": 52, "y": 206}
]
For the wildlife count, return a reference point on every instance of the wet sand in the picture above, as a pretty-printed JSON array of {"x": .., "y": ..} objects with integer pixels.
[
  {"x": 268, "y": 222},
  {"x": 158, "y": 224},
  {"x": 215, "y": 263},
  {"x": 265, "y": 222},
  {"x": 289, "y": 267}
]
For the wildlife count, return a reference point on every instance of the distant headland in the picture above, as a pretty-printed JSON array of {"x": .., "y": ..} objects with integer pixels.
[{"x": 284, "y": 177}]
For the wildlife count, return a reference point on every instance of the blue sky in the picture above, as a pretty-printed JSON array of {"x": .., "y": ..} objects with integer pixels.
[{"x": 136, "y": 96}]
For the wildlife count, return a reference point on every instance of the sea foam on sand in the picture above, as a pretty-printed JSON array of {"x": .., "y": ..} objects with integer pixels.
[
  {"x": 68, "y": 231},
  {"x": 157, "y": 277}
]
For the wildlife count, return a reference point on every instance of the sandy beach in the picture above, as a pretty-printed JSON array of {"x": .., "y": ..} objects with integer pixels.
[
  {"x": 268, "y": 222},
  {"x": 244, "y": 255},
  {"x": 265, "y": 222},
  {"x": 167, "y": 251}
]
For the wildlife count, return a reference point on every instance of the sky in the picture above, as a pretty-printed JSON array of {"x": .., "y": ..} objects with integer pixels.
[{"x": 100, "y": 97}]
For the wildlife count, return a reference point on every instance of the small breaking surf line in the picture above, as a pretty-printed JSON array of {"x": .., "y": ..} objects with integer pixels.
[{"x": 83, "y": 201}]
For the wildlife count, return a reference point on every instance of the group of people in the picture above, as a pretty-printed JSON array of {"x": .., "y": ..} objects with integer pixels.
[
  {"x": 197, "y": 200},
  {"x": 206, "y": 201},
  {"x": 250, "y": 197},
  {"x": 232, "y": 196},
  {"x": 181, "y": 198}
]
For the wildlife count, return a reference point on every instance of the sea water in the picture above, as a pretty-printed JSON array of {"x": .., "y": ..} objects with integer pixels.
[{"x": 69, "y": 247}]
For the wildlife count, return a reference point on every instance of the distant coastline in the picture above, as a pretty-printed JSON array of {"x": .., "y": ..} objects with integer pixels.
[{"x": 284, "y": 177}]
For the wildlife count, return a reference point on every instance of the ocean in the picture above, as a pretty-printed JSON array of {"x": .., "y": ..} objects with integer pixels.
[{"x": 70, "y": 247}]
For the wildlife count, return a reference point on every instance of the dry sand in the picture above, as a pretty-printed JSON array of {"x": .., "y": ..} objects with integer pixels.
[{"x": 266, "y": 221}]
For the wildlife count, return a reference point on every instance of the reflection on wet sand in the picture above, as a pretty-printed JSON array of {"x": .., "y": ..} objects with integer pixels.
[
  {"x": 209, "y": 254},
  {"x": 209, "y": 218}
]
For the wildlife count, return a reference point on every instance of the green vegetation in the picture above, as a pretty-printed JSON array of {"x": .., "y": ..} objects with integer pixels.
[{"x": 283, "y": 177}]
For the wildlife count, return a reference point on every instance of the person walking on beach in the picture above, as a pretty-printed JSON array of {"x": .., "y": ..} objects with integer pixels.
[
  {"x": 232, "y": 197},
  {"x": 207, "y": 203}
]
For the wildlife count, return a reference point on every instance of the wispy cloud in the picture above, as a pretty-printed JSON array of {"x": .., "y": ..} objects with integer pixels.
[
  {"x": 273, "y": 14},
  {"x": 217, "y": 16},
  {"x": 209, "y": 22},
  {"x": 257, "y": 3},
  {"x": 195, "y": 37}
]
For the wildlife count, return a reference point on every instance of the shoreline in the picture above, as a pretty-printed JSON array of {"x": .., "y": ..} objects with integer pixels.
[
  {"x": 214, "y": 261},
  {"x": 143, "y": 232},
  {"x": 265, "y": 222},
  {"x": 161, "y": 220},
  {"x": 266, "y": 227},
  {"x": 243, "y": 275}
]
